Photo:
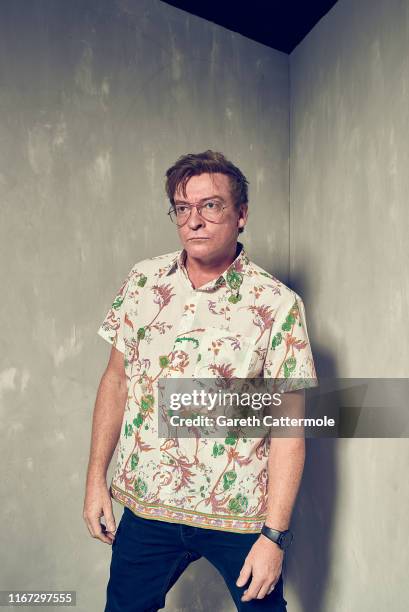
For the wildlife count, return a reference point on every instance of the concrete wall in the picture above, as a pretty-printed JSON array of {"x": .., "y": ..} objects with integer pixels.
[
  {"x": 349, "y": 219},
  {"x": 98, "y": 99}
]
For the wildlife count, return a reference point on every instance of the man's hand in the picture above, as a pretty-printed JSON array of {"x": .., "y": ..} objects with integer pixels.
[
  {"x": 106, "y": 427},
  {"x": 98, "y": 503},
  {"x": 264, "y": 563}
]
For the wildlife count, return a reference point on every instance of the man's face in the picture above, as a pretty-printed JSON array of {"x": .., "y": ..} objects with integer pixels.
[{"x": 203, "y": 239}]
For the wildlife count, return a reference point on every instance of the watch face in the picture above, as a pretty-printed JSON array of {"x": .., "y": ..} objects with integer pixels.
[{"x": 286, "y": 539}]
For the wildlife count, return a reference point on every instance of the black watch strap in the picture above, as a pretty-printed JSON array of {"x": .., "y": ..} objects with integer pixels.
[{"x": 282, "y": 538}]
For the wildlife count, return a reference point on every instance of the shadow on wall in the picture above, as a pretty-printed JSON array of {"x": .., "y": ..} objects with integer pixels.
[{"x": 307, "y": 563}]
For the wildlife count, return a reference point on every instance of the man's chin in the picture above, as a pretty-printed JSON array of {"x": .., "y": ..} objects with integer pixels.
[{"x": 199, "y": 248}]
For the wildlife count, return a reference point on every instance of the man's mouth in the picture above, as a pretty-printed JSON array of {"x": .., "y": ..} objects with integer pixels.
[{"x": 198, "y": 238}]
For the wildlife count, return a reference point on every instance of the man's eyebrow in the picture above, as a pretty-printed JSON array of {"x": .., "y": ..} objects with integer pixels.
[{"x": 211, "y": 197}]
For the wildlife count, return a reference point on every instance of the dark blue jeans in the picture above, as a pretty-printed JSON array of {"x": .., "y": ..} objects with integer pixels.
[{"x": 148, "y": 556}]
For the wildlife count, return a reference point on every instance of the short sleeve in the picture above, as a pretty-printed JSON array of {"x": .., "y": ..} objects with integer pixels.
[
  {"x": 289, "y": 357},
  {"x": 112, "y": 328}
]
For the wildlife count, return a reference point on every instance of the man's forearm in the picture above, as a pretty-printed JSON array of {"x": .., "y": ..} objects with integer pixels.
[
  {"x": 106, "y": 426},
  {"x": 285, "y": 467}
]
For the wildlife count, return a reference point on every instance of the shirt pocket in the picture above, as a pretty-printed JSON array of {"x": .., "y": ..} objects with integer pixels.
[{"x": 225, "y": 354}]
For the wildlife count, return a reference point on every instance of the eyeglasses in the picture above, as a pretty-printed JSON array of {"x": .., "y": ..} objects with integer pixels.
[{"x": 211, "y": 210}]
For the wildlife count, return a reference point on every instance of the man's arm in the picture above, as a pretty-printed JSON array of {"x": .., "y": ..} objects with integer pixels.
[
  {"x": 285, "y": 467},
  {"x": 106, "y": 426}
]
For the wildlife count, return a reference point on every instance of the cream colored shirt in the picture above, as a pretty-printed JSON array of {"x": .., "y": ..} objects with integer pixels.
[{"x": 244, "y": 324}]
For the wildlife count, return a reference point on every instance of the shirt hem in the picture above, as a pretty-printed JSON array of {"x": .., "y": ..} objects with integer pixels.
[{"x": 160, "y": 512}]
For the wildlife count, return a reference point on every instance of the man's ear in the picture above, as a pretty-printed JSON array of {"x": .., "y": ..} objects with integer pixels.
[{"x": 242, "y": 220}]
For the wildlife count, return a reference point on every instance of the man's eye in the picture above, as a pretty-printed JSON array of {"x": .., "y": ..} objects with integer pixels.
[
  {"x": 211, "y": 204},
  {"x": 181, "y": 209}
]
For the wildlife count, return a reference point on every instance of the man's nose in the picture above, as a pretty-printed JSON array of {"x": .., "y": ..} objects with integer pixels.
[{"x": 195, "y": 219}]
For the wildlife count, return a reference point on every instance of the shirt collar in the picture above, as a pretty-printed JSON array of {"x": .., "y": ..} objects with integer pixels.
[{"x": 232, "y": 277}]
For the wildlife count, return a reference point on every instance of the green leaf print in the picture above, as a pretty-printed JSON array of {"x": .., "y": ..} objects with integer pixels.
[
  {"x": 218, "y": 449},
  {"x": 146, "y": 402},
  {"x": 128, "y": 430},
  {"x": 141, "y": 333},
  {"x": 117, "y": 302},
  {"x": 290, "y": 319},
  {"x": 289, "y": 366},
  {"x": 195, "y": 340},
  {"x": 163, "y": 361},
  {"x": 238, "y": 504},
  {"x": 231, "y": 439},
  {"x": 235, "y": 298},
  {"x": 234, "y": 279},
  {"x": 142, "y": 280},
  {"x": 134, "y": 461},
  {"x": 276, "y": 340},
  {"x": 138, "y": 421},
  {"x": 228, "y": 479},
  {"x": 288, "y": 323},
  {"x": 140, "y": 487}
]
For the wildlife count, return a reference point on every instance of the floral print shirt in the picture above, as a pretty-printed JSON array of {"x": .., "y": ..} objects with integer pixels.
[{"x": 244, "y": 324}]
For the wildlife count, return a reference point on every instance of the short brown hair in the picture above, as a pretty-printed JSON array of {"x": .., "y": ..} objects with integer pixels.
[{"x": 194, "y": 164}]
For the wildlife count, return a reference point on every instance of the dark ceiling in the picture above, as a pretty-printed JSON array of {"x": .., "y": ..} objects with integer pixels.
[{"x": 280, "y": 25}]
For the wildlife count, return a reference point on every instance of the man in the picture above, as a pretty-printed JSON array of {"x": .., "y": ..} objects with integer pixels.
[{"x": 203, "y": 311}]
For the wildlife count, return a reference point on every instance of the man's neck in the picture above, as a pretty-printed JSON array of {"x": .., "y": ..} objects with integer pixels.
[{"x": 201, "y": 273}]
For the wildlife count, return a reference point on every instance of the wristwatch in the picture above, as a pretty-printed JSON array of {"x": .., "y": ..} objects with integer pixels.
[{"x": 282, "y": 538}]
